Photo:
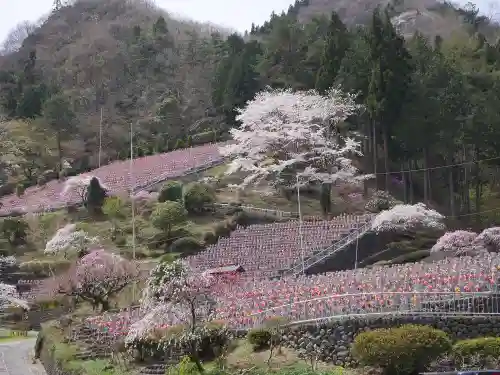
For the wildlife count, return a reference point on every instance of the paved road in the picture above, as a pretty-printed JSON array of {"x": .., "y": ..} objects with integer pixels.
[{"x": 16, "y": 358}]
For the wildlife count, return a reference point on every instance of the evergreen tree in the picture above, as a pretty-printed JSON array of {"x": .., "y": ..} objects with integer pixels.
[
  {"x": 389, "y": 82},
  {"x": 337, "y": 42}
]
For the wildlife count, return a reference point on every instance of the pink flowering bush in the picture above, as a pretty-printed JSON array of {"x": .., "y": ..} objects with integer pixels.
[
  {"x": 406, "y": 217},
  {"x": 96, "y": 278},
  {"x": 459, "y": 242},
  {"x": 489, "y": 239}
]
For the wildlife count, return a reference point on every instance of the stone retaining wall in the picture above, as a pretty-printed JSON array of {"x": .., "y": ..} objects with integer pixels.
[{"x": 331, "y": 341}]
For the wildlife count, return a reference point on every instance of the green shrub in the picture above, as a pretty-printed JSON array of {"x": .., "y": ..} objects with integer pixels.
[
  {"x": 20, "y": 189},
  {"x": 14, "y": 230},
  {"x": 170, "y": 191},
  {"x": 209, "y": 238},
  {"x": 403, "y": 350},
  {"x": 483, "y": 347},
  {"x": 231, "y": 224},
  {"x": 179, "y": 144},
  {"x": 259, "y": 338},
  {"x": 179, "y": 232},
  {"x": 120, "y": 240},
  {"x": 221, "y": 230},
  {"x": 186, "y": 246},
  {"x": 167, "y": 215},
  {"x": 197, "y": 196},
  {"x": 169, "y": 258},
  {"x": 202, "y": 138},
  {"x": 414, "y": 256}
]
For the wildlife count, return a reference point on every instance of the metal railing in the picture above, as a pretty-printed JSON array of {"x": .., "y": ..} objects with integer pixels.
[
  {"x": 279, "y": 213},
  {"x": 353, "y": 305},
  {"x": 330, "y": 250}
]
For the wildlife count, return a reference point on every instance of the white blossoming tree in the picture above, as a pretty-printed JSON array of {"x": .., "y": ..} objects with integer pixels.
[
  {"x": 69, "y": 240},
  {"x": 459, "y": 242},
  {"x": 8, "y": 297},
  {"x": 405, "y": 217},
  {"x": 285, "y": 134},
  {"x": 79, "y": 185},
  {"x": 175, "y": 295}
]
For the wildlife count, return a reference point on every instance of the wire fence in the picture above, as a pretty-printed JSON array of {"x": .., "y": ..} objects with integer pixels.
[{"x": 361, "y": 305}]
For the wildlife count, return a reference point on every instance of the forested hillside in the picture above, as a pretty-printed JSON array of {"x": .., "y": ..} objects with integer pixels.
[{"x": 430, "y": 101}]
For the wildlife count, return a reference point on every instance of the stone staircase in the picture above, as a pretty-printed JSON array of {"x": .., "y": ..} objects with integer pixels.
[
  {"x": 319, "y": 256},
  {"x": 92, "y": 346}
]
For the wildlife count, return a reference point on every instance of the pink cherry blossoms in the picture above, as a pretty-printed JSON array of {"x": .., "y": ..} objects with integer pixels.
[
  {"x": 284, "y": 132},
  {"x": 96, "y": 277},
  {"x": 462, "y": 242},
  {"x": 404, "y": 217},
  {"x": 175, "y": 295},
  {"x": 459, "y": 242}
]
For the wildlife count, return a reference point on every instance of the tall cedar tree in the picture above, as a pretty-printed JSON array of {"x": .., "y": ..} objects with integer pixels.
[
  {"x": 336, "y": 45},
  {"x": 389, "y": 82}
]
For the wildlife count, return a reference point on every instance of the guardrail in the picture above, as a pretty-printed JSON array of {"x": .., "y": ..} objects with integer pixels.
[
  {"x": 341, "y": 306},
  {"x": 279, "y": 213}
]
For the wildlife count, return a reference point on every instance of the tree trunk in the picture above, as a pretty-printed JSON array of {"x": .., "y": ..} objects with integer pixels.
[
  {"x": 375, "y": 155},
  {"x": 59, "y": 152},
  {"x": 426, "y": 177},
  {"x": 410, "y": 178},
  {"x": 405, "y": 183},
  {"x": 452, "y": 193},
  {"x": 478, "y": 190},
  {"x": 104, "y": 305},
  {"x": 386, "y": 159}
]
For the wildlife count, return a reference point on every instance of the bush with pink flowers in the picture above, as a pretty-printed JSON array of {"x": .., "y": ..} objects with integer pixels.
[{"x": 459, "y": 242}]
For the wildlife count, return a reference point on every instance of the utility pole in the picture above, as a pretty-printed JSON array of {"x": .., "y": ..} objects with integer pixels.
[
  {"x": 132, "y": 183},
  {"x": 100, "y": 139}
]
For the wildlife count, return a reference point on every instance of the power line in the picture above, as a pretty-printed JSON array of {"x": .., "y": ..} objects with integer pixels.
[{"x": 439, "y": 166}]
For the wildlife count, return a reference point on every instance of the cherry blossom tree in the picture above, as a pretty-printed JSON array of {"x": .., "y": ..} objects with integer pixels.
[
  {"x": 69, "y": 240},
  {"x": 79, "y": 185},
  {"x": 405, "y": 217},
  {"x": 96, "y": 278},
  {"x": 175, "y": 295},
  {"x": 9, "y": 297},
  {"x": 459, "y": 242},
  {"x": 285, "y": 134}
]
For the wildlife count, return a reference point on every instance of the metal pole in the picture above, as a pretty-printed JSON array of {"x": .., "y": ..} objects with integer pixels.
[
  {"x": 357, "y": 243},
  {"x": 132, "y": 182},
  {"x": 300, "y": 228},
  {"x": 100, "y": 139}
]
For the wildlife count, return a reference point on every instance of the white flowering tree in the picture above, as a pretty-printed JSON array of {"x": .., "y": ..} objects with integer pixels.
[
  {"x": 175, "y": 295},
  {"x": 459, "y": 242},
  {"x": 96, "y": 278},
  {"x": 79, "y": 185},
  {"x": 68, "y": 240},
  {"x": 406, "y": 217},
  {"x": 9, "y": 297},
  {"x": 285, "y": 134}
]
